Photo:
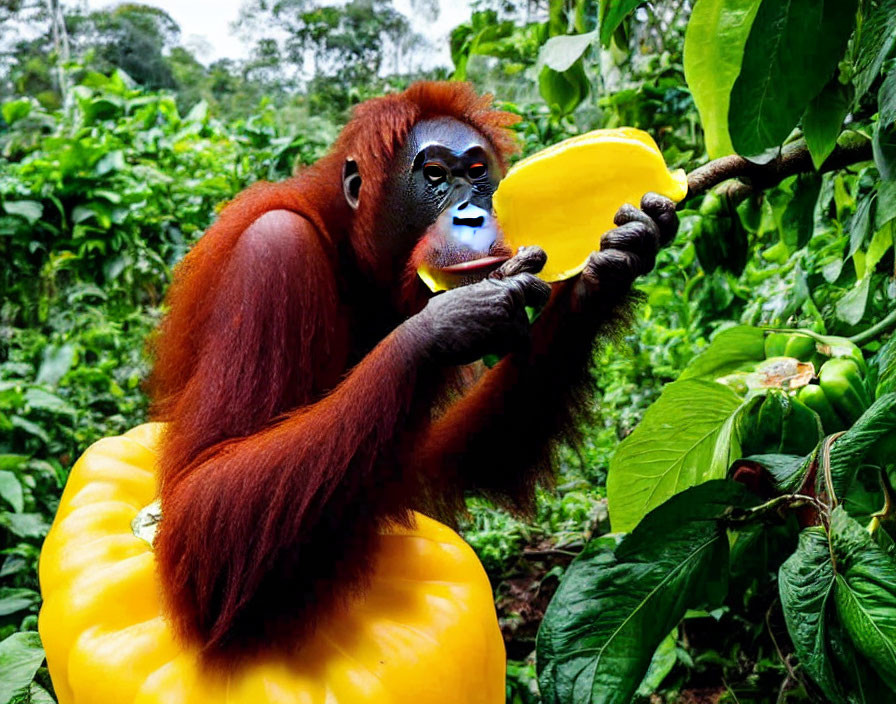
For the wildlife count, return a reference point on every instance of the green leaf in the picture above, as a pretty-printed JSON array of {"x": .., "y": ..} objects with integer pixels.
[
  {"x": 30, "y": 427},
  {"x": 560, "y": 53},
  {"x": 16, "y": 109},
  {"x": 861, "y": 222},
  {"x": 880, "y": 245},
  {"x": 885, "y": 362},
  {"x": 876, "y": 38},
  {"x": 806, "y": 581},
  {"x": 798, "y": 220},
  {"x": 14, "y": 600},
  {"x": 661, "y": 664},
  {"x": 857, "y": 675},
  {"x": 865, "y": 592},
  {"x": 45, "y": 401},
  {"x": 886, "y": 100},
  {"x": 11, "y": 491},
  {"x": 731, "y": 350},
  {"x": 564, "y": 91},
  {"x": 713, "y": 51},
  {"x": 20, "y": 656},
  {"x": 851, "y": 308},
  {"x": 788, "y": 471},
  {"x": 25, "y": 525},
  {"x": 198, "y": 113},
  {"x": 670, "y": 450},
  {"x": 792, "y": 51},
  {"x": 823, "y": 119},
  {"x": 614, "y": 608},
  {"x": 850, "y": 449},
  {"x": 886, "y": 203},
  {"x": 57, "y": 360},
  {"x": 30, "y": 210},
  {"x": 883, "y": 148},
  {"x": 611, "y": 16},
  {"x": 38, "y": 695},
  {"x": 13, "y": 461}
]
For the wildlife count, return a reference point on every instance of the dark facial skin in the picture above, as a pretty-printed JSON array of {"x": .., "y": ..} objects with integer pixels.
[
  {"x": 446, "y": 171},
  {"x": 440, "y": 189}
]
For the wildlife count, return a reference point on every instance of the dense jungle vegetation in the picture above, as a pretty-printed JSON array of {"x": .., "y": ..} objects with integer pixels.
[{"x": 117, "y": 147}]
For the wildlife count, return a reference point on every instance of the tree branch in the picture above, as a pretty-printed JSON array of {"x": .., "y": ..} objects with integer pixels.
[{"x": 793, "y": 159}]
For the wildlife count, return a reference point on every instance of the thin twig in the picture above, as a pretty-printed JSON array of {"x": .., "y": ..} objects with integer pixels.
[{"x": 768, "y": 625}]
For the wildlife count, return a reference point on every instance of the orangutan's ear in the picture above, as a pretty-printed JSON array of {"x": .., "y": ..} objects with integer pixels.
[{"x": 351, "y": 183}]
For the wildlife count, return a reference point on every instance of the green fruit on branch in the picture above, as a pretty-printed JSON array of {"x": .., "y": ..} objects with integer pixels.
[
  {"x": 809, "y": 346},
  {"x": 780, "y": 344},
  {"x": 843, "y": 384},
  {"x": 814, "y": 397}
]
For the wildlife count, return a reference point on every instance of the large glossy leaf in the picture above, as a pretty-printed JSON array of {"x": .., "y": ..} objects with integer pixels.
[
  {"x": 20, "y": 656},
  {"x": 614, "y": 608},
  {"x": 791, "y": 53},
  {"x": 731, "y": 350},
  {"x": 806, "y": 583},
  {"x": 856, "y": 673},
  {"x": 713, "y": 51},
  {"x": 865, "y": 592},
  {"x": 850, "y": 449},
  {"x": 673, "y": 448}
]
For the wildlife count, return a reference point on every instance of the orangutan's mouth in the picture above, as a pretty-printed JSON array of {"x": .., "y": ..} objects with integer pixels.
[{"x": 475, "y": 266}]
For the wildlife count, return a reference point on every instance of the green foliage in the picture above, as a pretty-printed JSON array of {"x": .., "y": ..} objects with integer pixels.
[
  {"x": 103, "y": 192},
  {"x": 784, "y": 67},
  {"x": 713, "y": 52},
  {"x": 20, "y": 656},
  {"x": 659, "y": 460},
  {"x": 618, "y": 603},
  {"x": 97, "y": 203}
]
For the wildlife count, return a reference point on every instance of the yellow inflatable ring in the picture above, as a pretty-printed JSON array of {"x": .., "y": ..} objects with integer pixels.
[{"x": 425, "y": 633}]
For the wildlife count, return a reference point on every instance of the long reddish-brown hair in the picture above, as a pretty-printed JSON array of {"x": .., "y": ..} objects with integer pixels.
[{"x": 265, "y": 450}]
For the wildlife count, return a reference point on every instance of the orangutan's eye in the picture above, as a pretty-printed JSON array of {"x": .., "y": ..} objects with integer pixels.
[
  {"x": 434, "y": 173},
  {"x": 477, "y": 171}
]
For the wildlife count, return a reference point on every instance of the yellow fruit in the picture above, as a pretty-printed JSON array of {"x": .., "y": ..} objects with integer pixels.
[
  {"x": 425, "y": 632},
  {"x": 563, "y": 198}
]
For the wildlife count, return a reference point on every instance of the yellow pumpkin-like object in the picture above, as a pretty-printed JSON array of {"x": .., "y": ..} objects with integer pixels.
[
  {"x": 563, "y": 198},
  {"x": 424, "y": 633}
]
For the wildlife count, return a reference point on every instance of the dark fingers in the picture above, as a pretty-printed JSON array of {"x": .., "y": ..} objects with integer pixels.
[{"x": 662, "y": 211}]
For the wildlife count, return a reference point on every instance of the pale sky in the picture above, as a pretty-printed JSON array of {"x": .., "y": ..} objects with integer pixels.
[{"x": 205, "y": 25}]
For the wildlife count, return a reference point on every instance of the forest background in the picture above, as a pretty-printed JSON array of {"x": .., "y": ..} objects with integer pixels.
[{"x": 117, "y": 147}]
